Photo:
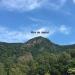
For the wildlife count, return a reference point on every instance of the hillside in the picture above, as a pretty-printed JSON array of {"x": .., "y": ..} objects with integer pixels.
[
  {"x": 36, "y": 51},
  {"x": 35, "y": 46},
  {"x": 40, "y": 44}
]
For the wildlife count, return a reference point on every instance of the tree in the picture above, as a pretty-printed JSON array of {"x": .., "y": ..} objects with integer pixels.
[
  {"x": 2, "y": 69},
  {"x": 15, "y": 70}
]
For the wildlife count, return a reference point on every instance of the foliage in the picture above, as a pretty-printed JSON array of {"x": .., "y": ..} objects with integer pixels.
[{"x": 38, "y": 56}]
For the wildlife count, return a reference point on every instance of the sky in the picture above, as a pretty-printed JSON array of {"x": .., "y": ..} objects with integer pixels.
[{"x": 19, "y": 17}]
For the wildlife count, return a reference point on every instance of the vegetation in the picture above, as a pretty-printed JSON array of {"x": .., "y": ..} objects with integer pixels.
[{"x": 38, "y": 56}]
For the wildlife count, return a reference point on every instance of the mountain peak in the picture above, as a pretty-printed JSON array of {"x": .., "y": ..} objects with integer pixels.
[
  {"x": 39, "y": 44},
  {"x": 41, "y": 41},
  {"x": 39, "y": 37}
]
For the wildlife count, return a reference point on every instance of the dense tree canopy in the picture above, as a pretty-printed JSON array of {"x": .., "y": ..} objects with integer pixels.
[{"x": 38, "y": 56}]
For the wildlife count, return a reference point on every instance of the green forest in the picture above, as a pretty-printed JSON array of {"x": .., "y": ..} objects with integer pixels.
[{"x": 38, "y": 56}]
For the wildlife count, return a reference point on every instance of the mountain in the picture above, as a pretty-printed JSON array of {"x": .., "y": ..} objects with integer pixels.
[
  {"x": 36, "y": 57},
  {"x": 34, "y": 46},
  {"x": 40, "y": 44}
]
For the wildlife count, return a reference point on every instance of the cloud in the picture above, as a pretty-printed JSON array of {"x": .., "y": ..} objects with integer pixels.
[
  {"x": 64, "y": 29},
  {"x": 73, "y": 1},
  {"x": 55, "y": 4},
  {"x": 8, "y": 35},
  {"x": 48, "y": 32},
  {"x": 27, "y": 5},
  {"x": 22, "y": 5},
  {"x": 72, "y": 42},
  {"x": 45, "y": 29}
]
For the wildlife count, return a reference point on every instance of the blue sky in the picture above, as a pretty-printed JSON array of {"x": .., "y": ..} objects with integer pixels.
[{"x": 19, "y": 17}]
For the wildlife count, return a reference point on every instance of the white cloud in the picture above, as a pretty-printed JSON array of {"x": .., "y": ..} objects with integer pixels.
[
  {"x": 55, "y": 4},
  {"x": 7, "y": 35},
  {"x": 72, "y": 42},
  {"x": 22, "y": 5},
  {"x": 73, "y": 1},
  {"x": 64, "y": 29},
  {"x": 43, "y": 29},
  {"x": 51, "y": 32},
  {"x": 27, "y": 5}
]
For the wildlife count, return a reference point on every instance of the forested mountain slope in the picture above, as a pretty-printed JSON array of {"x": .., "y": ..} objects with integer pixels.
[{"x": 37, "y": 56}]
